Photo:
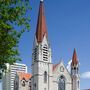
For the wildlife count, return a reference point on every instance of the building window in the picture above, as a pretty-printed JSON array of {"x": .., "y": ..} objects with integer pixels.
[
  {"x": 16, "y": 87},
  {"x": 29, "y": 84},
  {"x": 78, "y": 84},
  {"x": 35, "y": 53},
  {"x": 23, "y": 83},
  {"x": 77, "y": 70},
  {"x": 30, "y": 87},
  {"x": 34, "y": 86},
  {"x": 61, "y": 84},
  {"x": 45, "y": 77},
  {"x": 45, "y": 53},
  {"x": 44, "y": 88}
]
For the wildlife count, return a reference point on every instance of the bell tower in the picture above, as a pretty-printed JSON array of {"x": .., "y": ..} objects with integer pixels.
[
  {"x": 75, "y": 72},
  {"x": 41, "y": 56}
]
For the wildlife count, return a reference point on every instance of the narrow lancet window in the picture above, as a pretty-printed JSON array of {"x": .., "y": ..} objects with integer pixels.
[
  {"x": 45, "y": 77},
  {"x": 61, "y": 84}
]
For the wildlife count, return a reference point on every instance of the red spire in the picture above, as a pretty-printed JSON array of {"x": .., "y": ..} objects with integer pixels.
[
  {"x": 74, "y": 58},
  {"x": 41, "y": 24}
]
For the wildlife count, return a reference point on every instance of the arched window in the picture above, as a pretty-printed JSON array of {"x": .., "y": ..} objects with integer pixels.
[
  {"x": 23, "y": 83},
  {"x": 78, "y": 84},
  {"x": 61, "y": 83},
  {"x": 45, "y": 77}
]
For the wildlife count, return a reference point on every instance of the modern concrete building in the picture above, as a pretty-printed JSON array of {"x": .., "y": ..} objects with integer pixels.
[{"x": 9, "y": 76}]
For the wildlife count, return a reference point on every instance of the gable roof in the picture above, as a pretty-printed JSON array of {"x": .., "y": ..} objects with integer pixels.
[
  {"x": 54, "y": 66},
  {"x": 23, "y": 75}
]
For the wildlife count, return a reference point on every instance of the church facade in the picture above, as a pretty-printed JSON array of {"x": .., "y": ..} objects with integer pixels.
[{"x": 45, "y": 74}]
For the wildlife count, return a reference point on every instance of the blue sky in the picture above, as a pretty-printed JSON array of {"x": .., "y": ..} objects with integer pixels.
[{"x": 68, "y": 25}]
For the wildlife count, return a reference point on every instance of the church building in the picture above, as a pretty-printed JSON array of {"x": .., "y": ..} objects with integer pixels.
[{"x": 45, "y": 74}]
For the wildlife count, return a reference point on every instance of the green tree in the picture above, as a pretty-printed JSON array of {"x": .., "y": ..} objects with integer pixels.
[{"x": 13, "y": 13}]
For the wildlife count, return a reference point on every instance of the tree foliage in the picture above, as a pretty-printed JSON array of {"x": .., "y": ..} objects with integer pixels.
[{"x": 14, "y": 20}]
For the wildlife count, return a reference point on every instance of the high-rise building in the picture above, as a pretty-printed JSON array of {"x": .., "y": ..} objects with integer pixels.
[{"x": 9, "y": 76}]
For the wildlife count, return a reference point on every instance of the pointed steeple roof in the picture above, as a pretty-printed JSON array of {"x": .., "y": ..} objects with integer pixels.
[
  {"x": 74, "y": 58},
  {"x": 41, "y": 29}
]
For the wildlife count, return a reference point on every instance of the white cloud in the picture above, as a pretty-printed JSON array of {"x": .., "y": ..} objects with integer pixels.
[
  {"x": 85, "y": 75},
  {"x": 42, "y": 0},
  {"x": 69, "y": 66}
]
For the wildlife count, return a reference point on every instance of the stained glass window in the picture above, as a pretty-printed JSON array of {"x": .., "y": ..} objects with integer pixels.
[{"x": 61, "y": 84}]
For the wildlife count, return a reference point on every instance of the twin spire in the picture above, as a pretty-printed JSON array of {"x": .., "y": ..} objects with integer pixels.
[
  {"x": 74, "y": 58},
  {"x": 41, "y": 29}
]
